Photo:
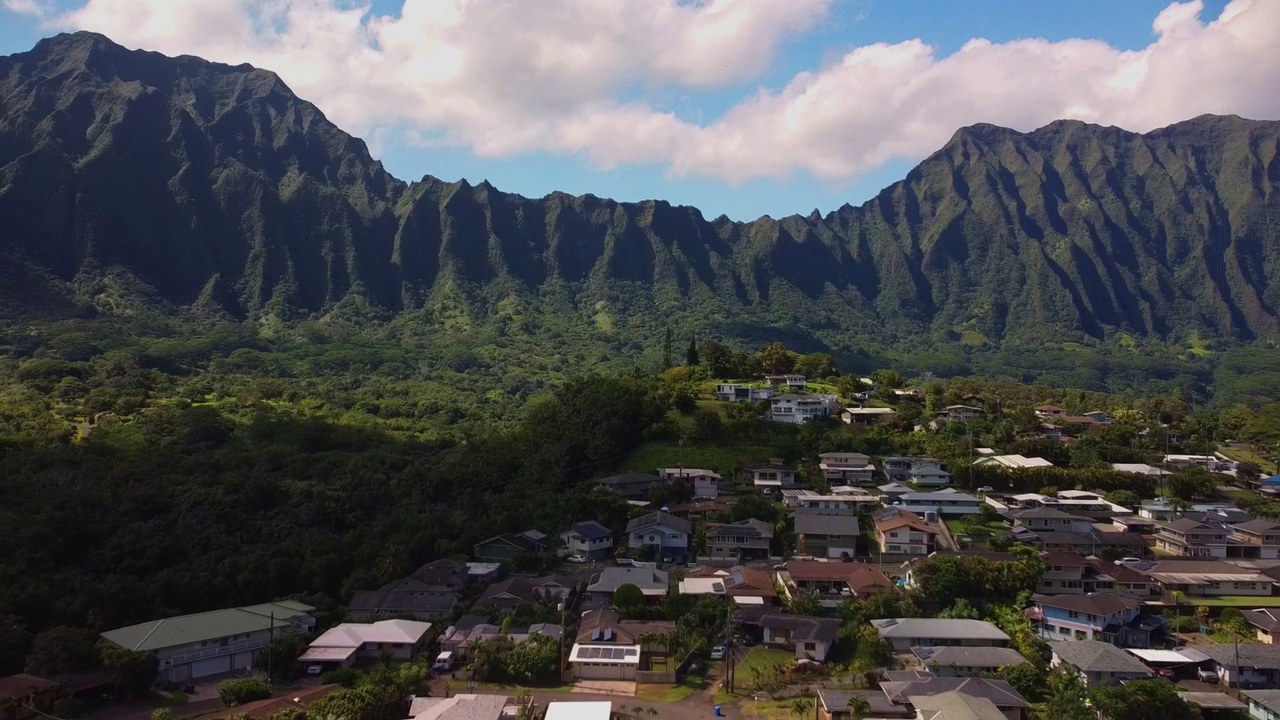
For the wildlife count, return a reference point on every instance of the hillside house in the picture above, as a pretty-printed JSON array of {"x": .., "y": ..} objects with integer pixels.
[
  {"x": 521, "y": 549},
  {"x": 1208, "y": 578},
  {"x": 659, "y": 534},
  {"x": 1098, "y": 663},
  {"x": 897, "y": 469},
  {"x": 427, "y": 593},
  {"x": 833, "y": 580},
  {"x": 705, "y": 483},
  {"x": 736, "y": 392},
  {"x": 963, "y": 413},
  {"x": 951, "y": 661},
  {"x": 867, "y": 415},
  {"x": 846, "y": 468},
  {"x": 341, "y": 646},
  {"x": 629, "y": 486},
  {"x": 588, "y": 539},
  {"x": 843, "y": 504},
  {"x": 905, "y": 633},
  {"x": 747, "y": 585},
  {"x": 928, "y": 474},
  {"x": 947, "y": 503},
  {"x": 601, "y": 586},
  {"x": 790, "y": 381},
  {"x": 825, "y": 535},
  {"x": 743, "y": 540},
  {"x": 903, "y": 532},
  {"x": 1108, "y": 616},
  {"x": 798, "y": 409},
  {"x": 1044, "y": 518},
  {"x": 772, "y": 477}
]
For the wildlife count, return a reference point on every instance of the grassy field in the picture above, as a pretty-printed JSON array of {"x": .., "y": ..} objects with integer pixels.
[
  {"x": 1240, "y": 454},
  {"x": 774, "y": 709},
  {"x": 722, "y": 459},
  {"x": 457, "y": 686},
  {"x": 1245, "y": 601},
  {"x": 670, "y": 693},
  {"x": 963, "y": 527}
]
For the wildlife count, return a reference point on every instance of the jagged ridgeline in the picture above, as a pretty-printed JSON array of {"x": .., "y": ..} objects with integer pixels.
[{"x": 214, "y": 187}]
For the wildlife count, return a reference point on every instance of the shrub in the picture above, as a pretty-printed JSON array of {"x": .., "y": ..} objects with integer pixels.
[{"x": 239, "y": 692}]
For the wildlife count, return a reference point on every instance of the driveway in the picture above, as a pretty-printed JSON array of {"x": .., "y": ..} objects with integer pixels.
[{"x": 625, "y": 688}]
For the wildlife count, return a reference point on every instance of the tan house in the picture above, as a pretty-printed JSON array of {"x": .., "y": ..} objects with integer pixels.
[{"x": 904, "y": 532}]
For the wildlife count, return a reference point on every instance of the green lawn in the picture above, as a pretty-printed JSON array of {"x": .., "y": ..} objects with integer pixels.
[
  {"x": 458, "y": 686},
  {"x": 722, "y": 459},
  {"x": 1237, "y": 601},
  {"x": 670, "y": 693},
  {"x": 1243, "y": 455},
  {"x": 762, "y": 657},
  {"x": 961, "y": 527}
]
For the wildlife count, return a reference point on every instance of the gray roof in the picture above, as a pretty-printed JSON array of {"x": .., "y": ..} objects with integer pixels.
[
  {"x": 803, "y": 628},
  {"x": 938, "y": 628},
  {"x": 628, "y": 478},
  {"x": 1104, "y": 602},
  {"x": 810, "y": 523},
  {"x": 1097, "y": 656},
  {"x": 1212, "y": 700},
  {"x": 463, "y": 706},
  {"x": 1260, "y": 525},
  {"x": 1255, "y": 655},
  {"x": 1047, "y": 513},
  {"x": 925, "y": 497},
  {"x": 212, "y": 625},
  {"x": 997, "y": 691},
  {"x": 610, "y": 579},
  {"x": 1269, "y": 699},
  {"x": 838, "y": 700},
  {"x": 977, "y": 657},
  {"x": 391, "y": 601},
  {"x": 953, "y": 705},
  {"x": 659, "y": 518},
  {"x": 759, "y": 528}
]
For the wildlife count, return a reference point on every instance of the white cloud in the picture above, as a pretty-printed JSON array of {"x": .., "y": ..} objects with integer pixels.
[
  {"x": 30, "y": 8},
  {"x": 505, "y": 77}
]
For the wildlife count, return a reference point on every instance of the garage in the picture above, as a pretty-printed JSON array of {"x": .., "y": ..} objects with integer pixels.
[
  {"x": 244, "y": 661},
  {"x": 604, "y": 662},
  {"x": 210, "y": 666}
]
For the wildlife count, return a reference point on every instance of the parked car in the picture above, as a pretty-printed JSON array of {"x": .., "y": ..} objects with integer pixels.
[
  {"x": 717, "y": 652},
  {"x": 1166, "y": 673},
  {"x": 1129, "y": 561},
  {"x": 1206, "y": 675},
  {"x": 576, "y": 559}
]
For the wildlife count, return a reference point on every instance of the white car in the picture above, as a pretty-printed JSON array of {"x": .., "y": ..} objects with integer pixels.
[
  {"x": 577, "y": 559},
  {"x": 717, "y": 652},
  {"x": 1129, "y": 561}
]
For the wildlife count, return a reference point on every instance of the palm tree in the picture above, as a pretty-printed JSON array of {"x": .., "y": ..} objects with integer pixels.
[
  {"x": 1179, "y": 597},
  {"x": 801, "y": 706},
  {"x": 637, "y": 710},
  {"x": 858, "y": 707}
]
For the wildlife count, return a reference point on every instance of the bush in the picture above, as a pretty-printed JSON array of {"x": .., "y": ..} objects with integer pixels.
[{"x": 239, "y": 692}]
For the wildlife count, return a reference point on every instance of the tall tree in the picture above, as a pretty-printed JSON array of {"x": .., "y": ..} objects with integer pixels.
[
  {"x": 691, "y": 354},
  {"x": 775, "y": 359},
  {"x": 718, "y": 360},
  {"x": 1066, "y": 698},
  {"x": 1154, "y": 699},
  {"x": 666, "y": 349}
]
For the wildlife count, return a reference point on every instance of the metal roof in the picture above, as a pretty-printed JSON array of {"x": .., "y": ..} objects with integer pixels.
[
  {"x": 212, "y": 625},
  {"x": 938, "y": 628},
  {"x": 1097, "y": 656}
]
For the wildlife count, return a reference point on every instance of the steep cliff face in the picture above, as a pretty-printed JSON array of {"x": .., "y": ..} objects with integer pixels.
[{"x": 216, "y": 186}]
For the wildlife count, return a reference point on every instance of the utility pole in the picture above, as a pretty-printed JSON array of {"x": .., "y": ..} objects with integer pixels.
[{"x": 271, "y": 641}]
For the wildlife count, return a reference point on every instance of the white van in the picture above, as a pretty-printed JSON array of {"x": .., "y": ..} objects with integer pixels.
[{"x": 444, "y": 662}]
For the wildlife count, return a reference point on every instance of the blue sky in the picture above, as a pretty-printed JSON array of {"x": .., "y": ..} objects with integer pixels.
[{"x": 832, "y": 169}]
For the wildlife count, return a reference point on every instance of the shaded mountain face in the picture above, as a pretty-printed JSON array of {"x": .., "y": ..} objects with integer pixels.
[{"x": 215, "y": 187}]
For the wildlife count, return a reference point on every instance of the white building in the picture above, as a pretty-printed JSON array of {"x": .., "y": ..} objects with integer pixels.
[
  {"x": 579, "y": 710},
  {"x": 214, "y": 643},
  {"x": 947, "y": 503},
  {"x": 604, "y": 662},
  {"x": 341, "y": 646},
  {"x": 928, "y": 474},
  {"x": 867, "y": 415},
  {"x": 797, "y": 409},
  {"x": 846, "y": 468},
  {"x": 735, "y": 392},
  {"x": 1013, "y": 462}
]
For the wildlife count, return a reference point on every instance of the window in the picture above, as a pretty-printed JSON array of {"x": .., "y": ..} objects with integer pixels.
[
  {"x": 811, "y": 646},
  {"x": 1073, "y": 614},
  {"x": 1064, "y": 631}
]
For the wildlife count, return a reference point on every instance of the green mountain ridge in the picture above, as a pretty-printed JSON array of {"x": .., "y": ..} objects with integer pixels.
[{"x": 213, "y": 187}]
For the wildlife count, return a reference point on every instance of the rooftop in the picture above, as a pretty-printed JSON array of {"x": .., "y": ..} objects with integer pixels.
[
  {"x": 938, "y": 628},
  {"x": 464, "y": 706},
  {"x": 353, "y": 635},
  {"x": 1097, "y": 603},
  {"x": 212, "y": 625},
  {"x": 579, "y": 710},
  {"x": 659, "y": 518},
  {"x": 1212, "y": 700},
  {"x": 952, "y": 705},
  {"x": 817, "y": 524},
  {"x": 649, "y": 580},
  {"x": 978, "y": 657},
  {"x": 1097, "y": 656}
]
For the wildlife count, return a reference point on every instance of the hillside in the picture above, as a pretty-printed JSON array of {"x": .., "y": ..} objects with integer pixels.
[{"x": 179, "y": 183}]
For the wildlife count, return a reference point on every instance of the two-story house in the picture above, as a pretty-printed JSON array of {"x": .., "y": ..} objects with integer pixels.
[
  {"x": 963, "y": 413},
  {"x": 743, "y": 540},
  {"x": 1050, "y": 411},
  {"x": 218, "y": 642},
  {"x": 797, "y": 409},
  {"x": 520, "y": 591},
  {"x": 823, "y": 534},
  {"x": 1050, "y": 519},
  {"x": 903, "y": 532},
  {"x": 530, "y": 547},
  {"x": 427, "y": 593},
  {"x": 846, "y": 468},
  {"x": 1185, "y": 537},
  {"x": 791, "y": 381},
  {"x": 737, "y": 392},
  {"x": 928, "y": 474},
  {"x": 948, "y": 503},
  {"x": 897, "y": 469},
  {"x": 1098, "y": 663},
  {"x": 867, "y": 415},
  {"x": 660, "y": 534},
  {"x": 629, "y": 486},
  {"x": 772, "y": 477},
  {"x": 1258, "y": 538},
  {"x": 1108, "y": 616},
  {"x": 588, "y": 539},
  {"x": 842, "y": 504},
  {"x": 705, "y": 483}
]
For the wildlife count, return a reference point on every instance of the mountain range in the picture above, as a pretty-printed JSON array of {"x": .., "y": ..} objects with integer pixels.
[{"x": 214, "y": 189}]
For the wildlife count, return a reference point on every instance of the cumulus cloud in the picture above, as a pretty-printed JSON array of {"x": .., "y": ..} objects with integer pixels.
[
  {"x": 505, "y": 77},
  {"x": 31, "y": 8}
]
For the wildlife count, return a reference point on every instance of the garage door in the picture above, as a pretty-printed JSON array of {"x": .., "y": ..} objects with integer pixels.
[
  {"x": 837, "y": 552},
  {"x": 211, "y": 666},
  {"x": 602, "y": 671},
  {"x": 244, "y": 660}
]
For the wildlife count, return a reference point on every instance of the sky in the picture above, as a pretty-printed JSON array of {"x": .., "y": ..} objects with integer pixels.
[{"x": 739, "y": 107}]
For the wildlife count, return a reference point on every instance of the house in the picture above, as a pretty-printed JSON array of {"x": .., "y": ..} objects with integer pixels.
[
  {"x": 797, "y": 409},
  {"x": 810, "y": 637},
  {"x": 523, "y": 549},
  {"x": 955, "y": 706},
  {"x": 588, "y": 539},
  {"x": 842, "y": 504},
  {"x": 1185, "y": 537},
  {"x": 1266, "y": 621},
  {"x": 1013, "y": 462},
  {"x": 603, "y": 662},
  {"x": 580, "y": 710},
  {"x": 1044, "y": 518},
  {"x": 427, "y": 593},
  {"x": 466, "y": 706},
  {"x": 833, "y": 704},
  {"x": 1249, "y": 664},
  {"x": 902, "y": 531},
  {"x": 746, "y": 585},
  {"x": 1065, "y": 574},
  {"x": 601, "y": 586},
  {"x": 218, "y": 642},
  {"x": 479, "y": 573},
  {"x": 918, "y": 693},
  {"x": 906, "y": 633},
  {"x": 519, "y": 591},
  {"x": 1139, "y": 469},
  {"x": 737, "y": 392},
  {"x": 1263, "y": 704},
  {"x": 26, "y": 690},
  {"x": 952, "y": 661},
  {"x": 832, "y": 580},
  {"x": 855, "y": 495},
  {"x": 1098, "y": 417},
  {"x": 699, "y": 509},
  {"x": 771, "y": 477},
  {"x": 867, "y": 415},
  {"x": 464, "y": 633},
  {"x": 629, "y": 486},
  {"x": 1208, "y": 578},
  {"x": 341, "y": 646},
  {"x": 897, "y": 469},
  {"x": 603, "y": 626},
  {"x": 791, "y": 381},
  {"x": 1212, "y": 463},
  {"x": 914, "y": 392},
  {"x": 963, "y": 413},
  {"x": 947, "y": 503},
  {"x": 824, "y": 535},
  {"x": 1109, "y": 616},
  {"x": 1050, "y": 411},
  {"x": 660, "y": 534},
  {"x": 891, "y": 492},
  {"x": 1099, "y": 663},
  {"x": 846, "y": 468},
  {"x": 705, "y": 483},
  {"x": 743, "y": 540},
  {"x": 296, "y": 699},
  {"x": 928, "y": 474},
  {"x": 1258, "y": 538},
  {"x": 1124, "y": 579},
  {"x": 1076, "y": 502},
  {"x": 1133, "y": 524}
]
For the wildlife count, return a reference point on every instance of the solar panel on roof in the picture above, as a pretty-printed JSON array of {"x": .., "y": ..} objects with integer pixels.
[
  {"x": 631, "y": 652},
  {"x": 619, "y": 653}
]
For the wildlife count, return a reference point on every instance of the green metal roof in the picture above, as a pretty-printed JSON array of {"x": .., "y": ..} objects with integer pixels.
[{"x": 211, "y": 625}]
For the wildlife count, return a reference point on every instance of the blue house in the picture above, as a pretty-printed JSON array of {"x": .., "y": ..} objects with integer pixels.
[
  {"x": 1269, "y": 486},
  {"x": 1111, "y": 617}
]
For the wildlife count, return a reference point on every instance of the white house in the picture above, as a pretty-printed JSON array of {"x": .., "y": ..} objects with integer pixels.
[
  {"x": 706, "y": 483},
  {"x": 791, "y": 381},
  {"x": 340, "y": 646},
  {"x": 867, "y": 415},
  {"x": 906, "y": 633},
  {"x": 948, "y": 503},
  {"x": 604, "y": 662},
  {"x": 589, "y": 539},
  {"x": 217, "y": 642},
  {"x": 579, "y": 710},
  {"x": 848, "y": 468},
  {"x": 771, "y": 477},
  {"x": 735, "y": 392},
  {"x": 1013, "y": 462},
  {"x": 810, "y": 501},
  {"x": 928, "y": 474},
  {"x": 664, "y": 534},
  {"x": 797, "y": 409},
  {"x": 962, "y": 413}
]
